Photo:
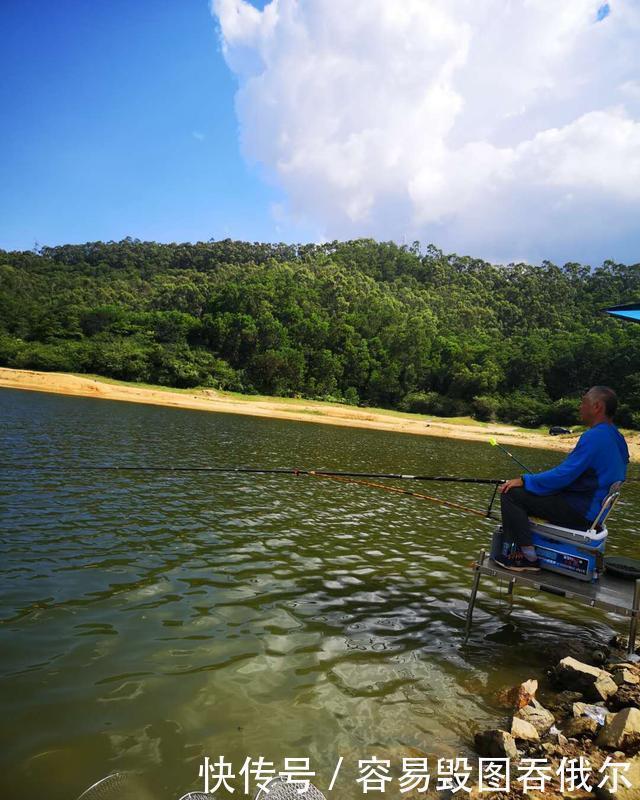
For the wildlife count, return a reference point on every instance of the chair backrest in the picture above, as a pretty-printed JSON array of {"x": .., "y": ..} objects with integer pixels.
[{"x": 607, "y": 504}]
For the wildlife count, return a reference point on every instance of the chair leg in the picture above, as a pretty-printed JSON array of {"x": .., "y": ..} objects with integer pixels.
[
  {"x": 633, "y": 627},
  {"x": 472, "y": 598}
]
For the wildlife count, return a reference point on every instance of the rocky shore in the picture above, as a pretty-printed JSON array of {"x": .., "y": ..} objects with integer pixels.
[{"x": 590, "y": 719}]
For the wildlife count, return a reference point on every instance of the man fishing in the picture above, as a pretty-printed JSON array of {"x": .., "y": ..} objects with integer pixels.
[{"x": 570, "y": 494}]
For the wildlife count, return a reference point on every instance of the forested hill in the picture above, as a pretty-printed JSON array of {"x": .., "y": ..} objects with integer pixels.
[{"x": 361, "y": 321}]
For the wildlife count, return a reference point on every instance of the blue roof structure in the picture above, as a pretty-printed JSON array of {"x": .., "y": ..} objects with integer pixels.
[{"x": 631, "y": 311}]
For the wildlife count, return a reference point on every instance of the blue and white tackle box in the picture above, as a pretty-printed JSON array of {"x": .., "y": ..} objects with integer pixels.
[{"x": 576, "y": 554}]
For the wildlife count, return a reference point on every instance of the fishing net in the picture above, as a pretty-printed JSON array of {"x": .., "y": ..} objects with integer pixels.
[
  {"x": 279, "y": 789},
  {"x": 119, "y": 786},
  {"x": 275, "y": 789},
  {"x": 197, "y": 796},
  {"x": 127, "y": 786}
]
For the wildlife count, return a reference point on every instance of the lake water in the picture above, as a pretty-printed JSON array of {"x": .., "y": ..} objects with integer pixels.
[{"x": 149, "y": 619}]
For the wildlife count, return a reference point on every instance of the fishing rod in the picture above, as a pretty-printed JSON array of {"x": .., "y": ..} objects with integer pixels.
[
  {"x": 346, "y": 477},
  {"x": 262, "y": 471},
  {"x": 494, "y": 443}
]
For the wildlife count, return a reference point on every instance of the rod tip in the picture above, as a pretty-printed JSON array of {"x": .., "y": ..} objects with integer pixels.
[{"x": 493, "y": 442}]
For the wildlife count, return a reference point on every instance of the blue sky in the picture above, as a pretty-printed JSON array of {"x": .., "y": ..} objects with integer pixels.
[
  {"x": 118, "y": 119},
  {"x": 508, "y": 136}
]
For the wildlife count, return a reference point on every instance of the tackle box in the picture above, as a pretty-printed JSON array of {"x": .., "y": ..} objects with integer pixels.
[{"x": 576, "y": 554}]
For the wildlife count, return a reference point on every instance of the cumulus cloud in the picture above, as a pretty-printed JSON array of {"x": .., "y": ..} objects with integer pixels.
[{"x": 502, "y": 128}]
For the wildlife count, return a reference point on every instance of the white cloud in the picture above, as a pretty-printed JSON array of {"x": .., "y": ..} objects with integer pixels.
[{"x": 485, "y": 126}]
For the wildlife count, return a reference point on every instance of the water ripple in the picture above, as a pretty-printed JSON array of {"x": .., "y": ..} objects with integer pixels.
[{"x": 147, "y": 619}]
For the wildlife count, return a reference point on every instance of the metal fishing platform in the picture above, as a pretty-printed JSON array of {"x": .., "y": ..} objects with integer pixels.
[{"x": 617, "y": 595}]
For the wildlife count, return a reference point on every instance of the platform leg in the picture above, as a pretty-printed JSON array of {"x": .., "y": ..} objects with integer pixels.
[
  {"x": 472, "y": 598},
  {"x": 512, "y": 583},
  {"x": 633, "y": 627}
]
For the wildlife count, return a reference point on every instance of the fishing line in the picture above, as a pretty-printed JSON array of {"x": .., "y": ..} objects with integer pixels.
[
  {"x": 257, "y": 471},
  {"x": 398, "y": 490}
]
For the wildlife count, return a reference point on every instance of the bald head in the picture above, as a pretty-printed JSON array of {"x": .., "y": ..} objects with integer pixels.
[{"x": 599, "y": 404}]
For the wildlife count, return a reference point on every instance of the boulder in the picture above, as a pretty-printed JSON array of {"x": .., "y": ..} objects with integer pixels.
[
  {"x": 536, "y": 714},
  {"x": 594, "y": 682},
  {"x": 627, "y": 696},
  {"x": 598, "y": 656},
  {"x": 521, "y": 729},
  {"x": 624, "y": 726},
  {"x": 625, "y": 675},
  {"x": 575, "y": 671},
  {"x": 525, "y": 693},
  {"x": 562, "y": 703},
  {"x": 614, "y": 666},
  {"x": 496, "y": 744},
  {"x": 518, "y": 696},
  {"x": 581, "y": 726},
  {"x": 604, "y": 687}
]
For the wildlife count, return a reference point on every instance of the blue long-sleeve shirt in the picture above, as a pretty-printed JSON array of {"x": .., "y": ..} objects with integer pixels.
[{"x": 599, "y": 459}]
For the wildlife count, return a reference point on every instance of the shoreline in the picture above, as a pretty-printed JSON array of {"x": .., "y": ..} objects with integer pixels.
[{"x": 288, "y": 409}]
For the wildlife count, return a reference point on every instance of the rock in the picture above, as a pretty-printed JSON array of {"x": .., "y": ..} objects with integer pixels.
[
  {"x": 623, "y": 792},
  {"x": 556, "y": 737},
  {"x": 627, "y": 696},
  {"x": 604, "y": 687},
  {"x": 518, "y": 696},
  {"x": 625, "y": 675},
  {"x": 616, "y": 665},
  {"x": 624, "y": 726},
  {"x": 526, "y": 692},
  {"x": 537, "y": 715},
  {"x": 596, "y": 683},
  {"x": 577, "y": 671},
  {"x": 598, "y": 657},
  {"x": 561, "y": 703},
  {"x": 581, "y": 726},
  {"x": 521, "y": 729},
  {"x": 497, "y": 744}
]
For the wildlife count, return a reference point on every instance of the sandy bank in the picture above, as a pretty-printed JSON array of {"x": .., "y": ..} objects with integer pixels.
[{"x": 299, "y": 410}]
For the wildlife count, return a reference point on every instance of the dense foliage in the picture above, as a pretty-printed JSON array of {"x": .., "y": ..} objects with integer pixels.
[{"x": 361, "y": 321}]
